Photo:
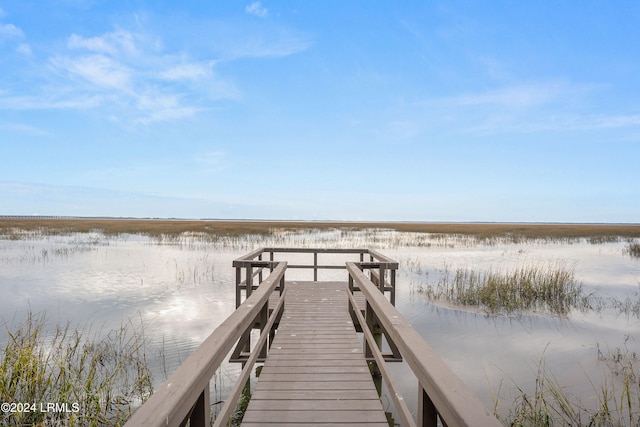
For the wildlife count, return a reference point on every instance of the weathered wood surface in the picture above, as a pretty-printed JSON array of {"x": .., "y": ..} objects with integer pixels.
[{"x": 315, "y": 372}]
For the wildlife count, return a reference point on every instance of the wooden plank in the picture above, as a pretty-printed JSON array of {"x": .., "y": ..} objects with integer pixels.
[
  {"x": 315, "y": 371},
  {"x": 368, "y": 394},
  {"x": 316, "y": 377},
  {"x": 293, "y": 363},
  {"x": 289, "y": 416},
  {"x": 312, "y": 424},
  {"x": 315, "y": 405},
  {"x": 329, "y": 369},
  {"x": 338, "y": 385},
  {"x": 283, "y": 355}
]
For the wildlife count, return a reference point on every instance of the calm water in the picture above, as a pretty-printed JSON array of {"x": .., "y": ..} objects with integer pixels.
[{"x": 180, "y": 290}]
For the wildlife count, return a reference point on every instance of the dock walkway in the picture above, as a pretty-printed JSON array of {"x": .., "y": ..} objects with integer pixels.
[
  {"x": 321, "y": 346},
  {"x": 316, "y": 370}
]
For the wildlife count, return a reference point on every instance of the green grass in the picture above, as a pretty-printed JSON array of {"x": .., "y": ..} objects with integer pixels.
[
  {"x": 99, "y": 380},
  {"x": 551, "y": 288}
]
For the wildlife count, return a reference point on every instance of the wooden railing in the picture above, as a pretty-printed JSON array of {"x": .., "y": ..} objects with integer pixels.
[
  {"x": 184, "y": 396},
  {"x": 441, "y": 394},
  {"x": 252, "y": 264}
]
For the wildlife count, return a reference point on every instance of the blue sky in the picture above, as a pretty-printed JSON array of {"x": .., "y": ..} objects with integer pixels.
[{"x": 402, "y": 111}]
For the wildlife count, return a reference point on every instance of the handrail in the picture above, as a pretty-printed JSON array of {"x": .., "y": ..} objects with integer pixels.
[
  {"x": 253, "y": 264},
  {"x": 441, "y": 392},
  {"x": 173, "y": 402},
  {"x": 230, "y": 404}
]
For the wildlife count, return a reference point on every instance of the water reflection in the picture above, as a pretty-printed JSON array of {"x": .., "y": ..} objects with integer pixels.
[{"x": 181, "y": 289}]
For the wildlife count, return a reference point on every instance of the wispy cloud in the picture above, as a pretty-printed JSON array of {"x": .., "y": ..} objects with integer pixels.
[
  {"x": 521, "y": 108},
  {"x": 127, "y": 72},
  {"x": 257, "y": 9},
  {"x": 98, "y": 70},
  {"x": 132, "y": 77},
  {"x": 22, "y": 128},
  {"x": 111, "y": 43},
  {"x": 519, "y": 95},
  {"x": 8, "y": 31},
  {"x": 24, "y": 49}
]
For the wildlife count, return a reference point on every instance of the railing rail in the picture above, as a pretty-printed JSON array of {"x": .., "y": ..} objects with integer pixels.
[
  {"x": 441, "y": 393},
  {"x": 184, "y": 396},
  {"x": 383, "y": 268}
]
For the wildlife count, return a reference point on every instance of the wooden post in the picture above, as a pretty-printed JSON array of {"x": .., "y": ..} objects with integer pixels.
[
  {"x": 249, "y": 285},
  {"x": 238, "y": 281},
  {"x": 427, "y": 414},
  {"x": 249, "y": 281},
  {"x": 260, "y": 274},
  {"x": 264, "y": 318},
  {"x": 201, "y": 414},
  {"x": 393, "y": 287},
  {"x": 315, "y": 266}
]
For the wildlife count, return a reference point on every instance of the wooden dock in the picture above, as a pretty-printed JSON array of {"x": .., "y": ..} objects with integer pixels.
[
  {"x": 316, "y": 371},
  {"x": 320, "y": 344}
]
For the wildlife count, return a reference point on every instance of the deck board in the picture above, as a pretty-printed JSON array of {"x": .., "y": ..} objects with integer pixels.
[{"x": 315, "y": 372}]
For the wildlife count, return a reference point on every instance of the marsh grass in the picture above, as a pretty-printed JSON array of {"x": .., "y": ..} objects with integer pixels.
[
  {"x": 616, "y": 402},
  {"x": 98, "y": 380},
  {"x": 634, "y": 249},
  {"x": 552, "y": 288},
  {"x": 15, "y": 228}
]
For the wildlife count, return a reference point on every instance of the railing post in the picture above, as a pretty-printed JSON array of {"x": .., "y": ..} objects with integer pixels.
[
  {"x": 282, "y": 285},
  {"x": 249, "y": 285},
  {"x": 201, "y": 414},
  {"x": 427, "y": 414},
  {"x": 382, "y": 273},
  {"x": 238, "y": 281},
  {"x": 368, "y": 318},
  {"x": 264, "y": 318},
  {"x": 315, "y": 266},
  {"x": 271, "y": 259},
  {"x": 249, "y": 281},
  {"x": 393, "y": 287},
  {"x": 260, "y": 273}
]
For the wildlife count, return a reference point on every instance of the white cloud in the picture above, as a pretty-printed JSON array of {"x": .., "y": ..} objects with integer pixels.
[
  {"x": 133, "y": 77},
  {"x": 257, "y": 9},
  {"x": 50, "y": 100},
  {"x": 518, "y": 96},
  {"x": 110, "y": 43},
  {"x": 98, "y": 70},
  {"x": 157, "y": 107},
  {"x": 24, "y": 49},
  {"x": 22, "y": 128},
  {"x": 187, "y": 72},
  {"x": 8, "y": 31},
  {"x": 268, "y": 46}
]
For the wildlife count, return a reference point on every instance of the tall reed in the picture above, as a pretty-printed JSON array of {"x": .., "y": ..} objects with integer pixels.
[
  {"x": 616, "y": 403},
  {"x": 69, "y": 379},
  {"x": 551, "y": 288}
]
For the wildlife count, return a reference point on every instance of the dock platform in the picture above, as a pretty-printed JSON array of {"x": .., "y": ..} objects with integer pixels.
[{"x": 316, "y": 371}]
